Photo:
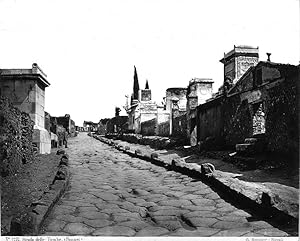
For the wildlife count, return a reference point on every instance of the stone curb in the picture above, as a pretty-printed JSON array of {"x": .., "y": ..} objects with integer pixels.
[
  {"x": 256, "y": 199},
  {"x": 51, "y": 195}
]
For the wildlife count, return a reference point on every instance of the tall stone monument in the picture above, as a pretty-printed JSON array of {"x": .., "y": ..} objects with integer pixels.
[
  {"x": 25, "y": 88},
  {"x": 238, "y": 61}
]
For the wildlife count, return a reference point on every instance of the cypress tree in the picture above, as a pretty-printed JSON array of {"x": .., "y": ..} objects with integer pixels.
[{"x": 135, "y": 85}]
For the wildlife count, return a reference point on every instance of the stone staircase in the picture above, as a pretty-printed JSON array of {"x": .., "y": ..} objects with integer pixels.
[{"x": 250, "y": 154}]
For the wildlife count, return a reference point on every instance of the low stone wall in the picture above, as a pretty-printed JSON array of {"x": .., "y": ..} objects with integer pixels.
[
  {"x": 157, "y": 142},
  {"x": 163, "y": 129},
  {"x": 16, "y": 130},
  {"x": 148, "y": 127}
]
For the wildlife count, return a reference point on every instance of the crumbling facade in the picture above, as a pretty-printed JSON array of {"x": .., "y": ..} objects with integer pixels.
[
  {"x": 25, "y": 88},
  {"x": 261, "y": 104},
  {"x": 199, "y": 90}
]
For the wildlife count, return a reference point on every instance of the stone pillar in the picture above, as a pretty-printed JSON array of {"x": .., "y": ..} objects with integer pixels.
[
  {"x": 25, "y": 88},
  {"x": 198, "y": 91}
]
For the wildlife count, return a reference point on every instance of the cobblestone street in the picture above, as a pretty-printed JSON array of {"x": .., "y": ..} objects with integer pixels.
[{"x": 113, "y": 194}]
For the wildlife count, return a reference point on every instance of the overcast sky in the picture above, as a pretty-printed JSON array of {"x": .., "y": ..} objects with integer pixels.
[{"x": 88, "y": 48}]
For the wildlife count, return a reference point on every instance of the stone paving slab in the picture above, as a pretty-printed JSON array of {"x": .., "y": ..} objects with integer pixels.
[
  {"x": 111, "y": 200},
  {"x": 278, "y": 196}
]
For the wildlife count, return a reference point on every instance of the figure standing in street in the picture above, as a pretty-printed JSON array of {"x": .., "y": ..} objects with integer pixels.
[{"x": 65, "y": 140}]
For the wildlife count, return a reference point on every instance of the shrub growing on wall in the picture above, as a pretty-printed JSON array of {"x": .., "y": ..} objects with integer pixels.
[{"x": 16, "y": 130}]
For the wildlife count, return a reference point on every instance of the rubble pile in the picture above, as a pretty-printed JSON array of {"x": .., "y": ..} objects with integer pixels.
[{"x": 16, "y": 129}]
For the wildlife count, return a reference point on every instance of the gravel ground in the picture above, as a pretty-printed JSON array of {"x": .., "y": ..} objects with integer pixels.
[{"x": 20, "y": 190}]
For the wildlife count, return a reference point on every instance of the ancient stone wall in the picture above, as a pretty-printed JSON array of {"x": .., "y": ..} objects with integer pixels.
[
  {"x": 148, "y": 127},
  {"x": 210, "y": 123},
  {"x": 178, "y": 94},
  {"x": 180, "y": 126},
  {"x": 64, "y": 121},
  {"x": 60, "y": 132},
  {"x": 282, "y": 116},
  {"x": 47, "y": 122},
  {"x": 163, "y": 129},
  {"x": 237, "y": 121},
  {"x": 72, "y": 129},
  {"x": 234, "y": 118},
  {"x": 53, "y": 124},
  {"x": 243, "y": 63},
  {"x": 117, "y": 124},
  {"x": 16, "y": 129}
]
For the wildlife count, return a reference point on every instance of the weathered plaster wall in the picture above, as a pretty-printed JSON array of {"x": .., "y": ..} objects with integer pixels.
[
  {"x": 25, "y": 88},
  {"x": 237, "y": 121},
  {"x": 180, "y": 94},
  {"x": 164, "y": 128},
  {"x": 230, "y": 120},
  {"x": 40, "y": 106},
  {"x": 198, "y": 91},
  {"x": 179, "y": 126},
  {"x": 210, "y": 122},
  {"x": 47, "y": 121},
  {"x": 243, "y": 63},
  {"x": 282, "y": 116},
  {"x": 117, "y": 124},
  {"x": 148, "y": 128},
  {"x": 64, "y": 121},
  {"x": 27, "y": 95}
]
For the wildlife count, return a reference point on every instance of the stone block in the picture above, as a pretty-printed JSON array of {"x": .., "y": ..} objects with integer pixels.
[
  {"x": 207, "y": 169},
  {"x": 60, "y": 152},
  {"x": 250, "y": 140},
  {"x": 64, "y": 162},
  {"x": 61, "y": 173},
  {"x": 42, "y": 139},
  {"x": 154, "y": 155},
  {"x": 54, "y": 137},
  {"x": 65, "y": 156},
  {"x": 245, "y": 147}
]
